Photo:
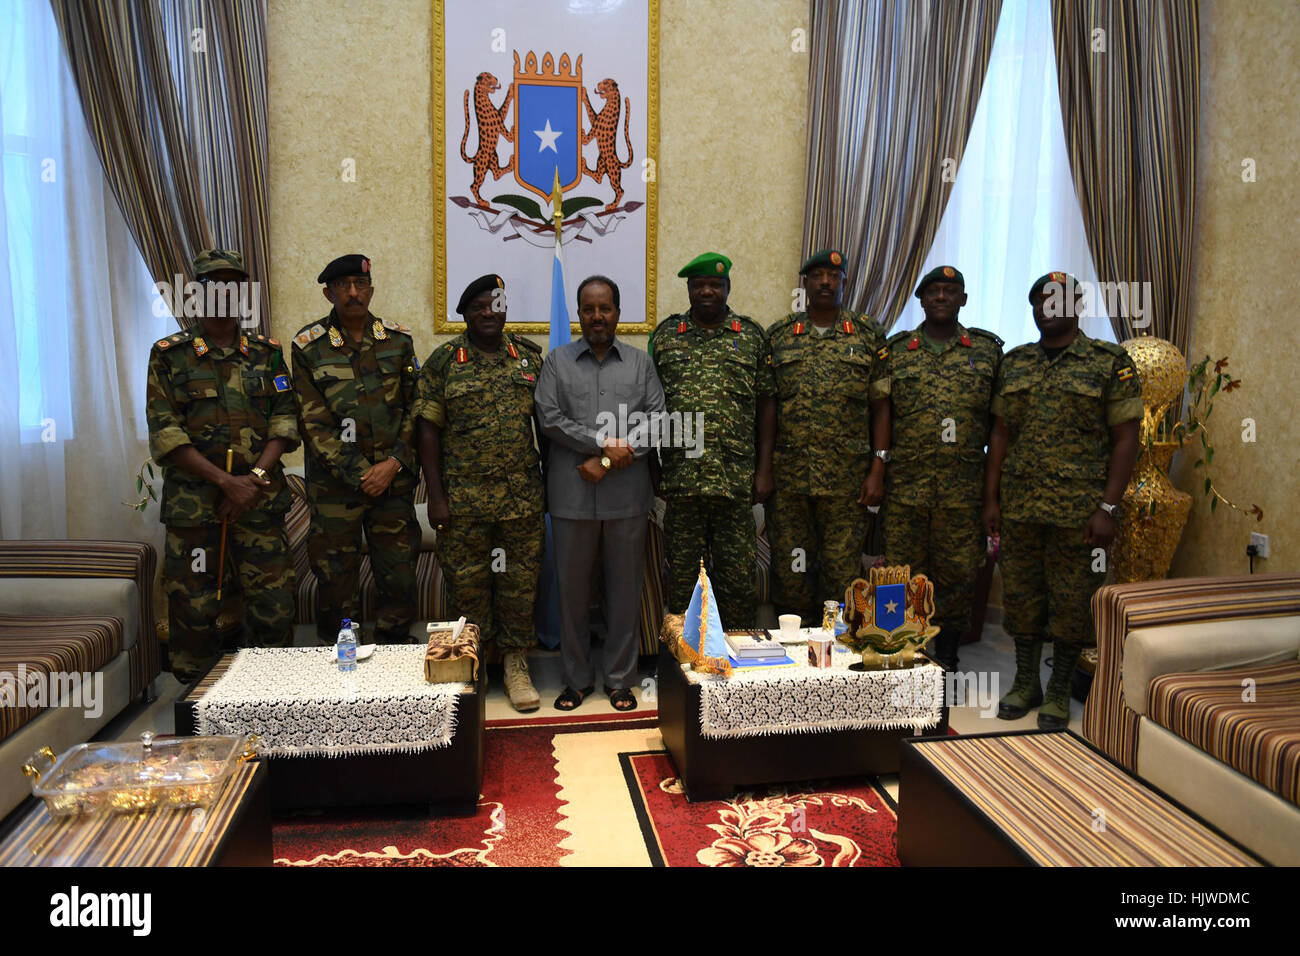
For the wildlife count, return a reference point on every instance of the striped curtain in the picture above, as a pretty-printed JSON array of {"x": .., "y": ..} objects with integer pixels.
[
  {"x": 892, "y": 91},
  {"x": 174, "y": 93},
  {"x": 1129, "y": 74}
]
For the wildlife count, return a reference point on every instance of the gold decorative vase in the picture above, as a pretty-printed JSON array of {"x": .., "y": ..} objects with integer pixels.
[{"x": 1155, "y": 512}]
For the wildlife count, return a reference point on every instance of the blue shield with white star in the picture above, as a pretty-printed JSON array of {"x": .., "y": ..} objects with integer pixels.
[
  {"x": 547, "y": 125},
  {"x": 891, "y": 601}
]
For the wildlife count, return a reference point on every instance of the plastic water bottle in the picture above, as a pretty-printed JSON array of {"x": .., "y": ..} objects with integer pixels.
[
  {"x": 840, "y": 627},
  {"x": 345, "y": 648}
]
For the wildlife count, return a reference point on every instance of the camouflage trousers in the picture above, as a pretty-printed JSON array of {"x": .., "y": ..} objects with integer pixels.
[
  {"x": 944, "y": 544},
  {"x": 491, "y": 569},
  {"x": 721, "y": 532},
  {"x": 257, "y": 564},
  {"x": 1048, "y": 583},
  {"x": 816, "y": 550},
  {"x": 334, "y": 544}
]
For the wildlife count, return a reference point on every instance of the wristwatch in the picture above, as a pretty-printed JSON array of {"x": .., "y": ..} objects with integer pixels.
[
  {"x": 260, "y": 472},
  {"x": 605, "y": 462},
  {"x": 884, "y": 455},
  {"x": 1112, "y": 510}
]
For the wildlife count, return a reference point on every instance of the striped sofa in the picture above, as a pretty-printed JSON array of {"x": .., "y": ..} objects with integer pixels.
[
  {"x": 1198, "y": 692},
  {"x": 70, "y": 608},
  {"x": 431, "y": 589}
]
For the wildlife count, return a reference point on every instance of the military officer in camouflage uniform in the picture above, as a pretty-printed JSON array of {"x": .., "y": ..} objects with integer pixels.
[
  {"x": 478, "y": 448},
  {"x": 821, "y": 360},
  {"x": 717, "y": 363},
  {"x": 211, "y": 389},
  {"x": 1066, "y": 411},
  {"x": 355, "y": 378},
  {"x": 930, "y": 395}
]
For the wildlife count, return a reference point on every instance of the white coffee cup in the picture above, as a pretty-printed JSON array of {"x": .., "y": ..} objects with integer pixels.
[{"x": 789, "y": 624}]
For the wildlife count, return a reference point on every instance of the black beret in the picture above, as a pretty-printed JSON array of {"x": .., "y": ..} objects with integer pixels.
[
  {"x": 940, "y": 274},
  {"x": 823, "y": 257},
  {"x": 478, "y": 287},
  {"x": 353, "y": 265},
  {"x": 1063, "y": 279}
]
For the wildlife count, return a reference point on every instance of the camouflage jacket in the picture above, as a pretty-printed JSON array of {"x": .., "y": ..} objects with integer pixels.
[
  {"x": 1059, "y": 414},
  {"x": 940, "y": 414},
  {"x": 483, "y": 405},
  {"x": 237, "y": 397},
  {"x": 354, "y": 402},
  {"x": 823, "y": 431},
  {"x": 721, "y": 374}
]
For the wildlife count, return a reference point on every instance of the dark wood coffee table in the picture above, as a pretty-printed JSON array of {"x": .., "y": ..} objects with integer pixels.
[
  {"x": 234, "y": 831},
  {"x": 712, "y": 769},
  {"x": 448, "y": 780}
]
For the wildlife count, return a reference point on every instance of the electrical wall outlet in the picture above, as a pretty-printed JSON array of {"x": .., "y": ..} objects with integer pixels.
[{"x": 1260, "y": 543}]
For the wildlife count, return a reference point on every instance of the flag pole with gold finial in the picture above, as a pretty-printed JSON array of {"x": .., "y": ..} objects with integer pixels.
[{"x": 557, "y": 204}]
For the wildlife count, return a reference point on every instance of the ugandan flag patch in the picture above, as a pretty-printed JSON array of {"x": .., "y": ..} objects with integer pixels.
[
  {"x": 883, "y": 353},
  {"x": 1125, "y": 373}
]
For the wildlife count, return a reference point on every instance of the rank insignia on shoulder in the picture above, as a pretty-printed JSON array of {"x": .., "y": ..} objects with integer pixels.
[
  {"x": 336, "y": 337},
  {"x": 273, "y": 342},
  {"x": 965, "y": 340},
  {"x": 396, "y": 326},
  {"x": 378, "y": 331},
  {"x": 913, "y": 345},
  {"x": 848, "y": 327},
  {"x": 798, "y": 328},
  {"x": 163, "y": 344},
  {"x": 1124, "y": 374},
  {"x": 735, "y": 325},
  {"x": 510, "y": 348},
  {"x": 883, "y": 353},
  {"x": 461, "y": 356},
  {"x": 281, "y": 383},
  {"x": 681, "y": 326}
]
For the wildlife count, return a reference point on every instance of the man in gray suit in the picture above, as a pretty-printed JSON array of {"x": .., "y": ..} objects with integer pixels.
[{"x": 593, "y": 396}]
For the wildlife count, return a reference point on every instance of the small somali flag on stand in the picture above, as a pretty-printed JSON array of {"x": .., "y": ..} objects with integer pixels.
[
  {"x": 702, "y": 627},
  {"x": 546, "y": 610}
]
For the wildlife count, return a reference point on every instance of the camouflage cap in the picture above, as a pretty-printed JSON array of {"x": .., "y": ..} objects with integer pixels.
[
  {"x": 823, "y": 257},
  {"x": 707, "y": 264},
  {"x": 478, "y": 287},
  {"x": 1061, "y": 278},
  {"x": 940, "y": 274},
  {"x": 218, "y": 260},
  {"x": 344, "y": 266}
]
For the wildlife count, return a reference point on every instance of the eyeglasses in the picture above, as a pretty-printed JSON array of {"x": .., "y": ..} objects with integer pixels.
[{"x": 361, "y": 283}]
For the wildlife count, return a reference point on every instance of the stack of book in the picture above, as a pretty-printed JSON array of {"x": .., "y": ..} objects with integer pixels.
[{"x": 754, "y": 647}]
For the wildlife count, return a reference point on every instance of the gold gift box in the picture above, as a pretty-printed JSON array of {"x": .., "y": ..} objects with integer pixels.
[{"x": 451, "y": 656}]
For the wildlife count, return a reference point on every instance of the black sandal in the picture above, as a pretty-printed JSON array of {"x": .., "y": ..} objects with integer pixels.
[
  {"x": 571, "y": 699},
  {"x": 621, "y": 698}
]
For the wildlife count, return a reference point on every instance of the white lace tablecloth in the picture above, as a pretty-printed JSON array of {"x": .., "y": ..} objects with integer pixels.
[
  {"x": 809, "y": 700},
  {"x": 300, "y": 704}
]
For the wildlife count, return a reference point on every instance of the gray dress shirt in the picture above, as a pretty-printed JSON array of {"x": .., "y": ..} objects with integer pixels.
[{"x": 573, "y": 390}]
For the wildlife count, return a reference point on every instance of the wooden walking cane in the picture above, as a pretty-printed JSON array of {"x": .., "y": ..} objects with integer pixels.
[{"x": 221, "y": 561}]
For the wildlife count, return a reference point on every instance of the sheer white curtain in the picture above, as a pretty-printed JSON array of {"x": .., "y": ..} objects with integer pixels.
[
  {"x": 1013, "y": 214},
  {"x": 76, "y": 318}
]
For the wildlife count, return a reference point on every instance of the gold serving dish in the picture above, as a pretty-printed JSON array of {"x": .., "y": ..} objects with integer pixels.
[{"x": 130, "y": 777}]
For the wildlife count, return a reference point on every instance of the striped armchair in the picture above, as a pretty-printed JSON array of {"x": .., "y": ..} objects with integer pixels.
[
  {"x": 67, "y": 609},
  {"x": 1198, "y": 692}
]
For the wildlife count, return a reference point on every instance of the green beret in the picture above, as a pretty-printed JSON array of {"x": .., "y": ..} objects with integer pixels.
[
  {"x": 823, "y": 257},
  {"x": 217, "y": 260},
  {"x": 478, "y": 287},
  {"x": 1062, "y": 278},
  {"x": 708, "y": 264},
  {"x": 344, "y": 266},
  {"x": 940, "y": 274}
]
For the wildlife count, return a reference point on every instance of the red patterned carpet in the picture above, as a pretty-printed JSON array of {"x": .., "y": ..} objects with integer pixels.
[{"x": 540, "y": 807}]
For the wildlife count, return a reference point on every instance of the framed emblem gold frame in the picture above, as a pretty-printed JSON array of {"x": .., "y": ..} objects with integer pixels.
[{"x": 443, "y": 299}]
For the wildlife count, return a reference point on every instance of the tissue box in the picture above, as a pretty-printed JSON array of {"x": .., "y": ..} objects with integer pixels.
[{"x": 451, "y": 656}]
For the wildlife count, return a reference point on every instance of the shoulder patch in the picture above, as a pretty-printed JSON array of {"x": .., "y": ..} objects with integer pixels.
[
  {"x": 898, "y": 337},
  {"x": 1124, "y": 373},
  {"x": 986, "y": 334},
  {"x": 526, "y": 343},
  {"x": 1110, "y": 347},
  {"x": 309, "y": 335},
  {"x": 396, "y": 326}
]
